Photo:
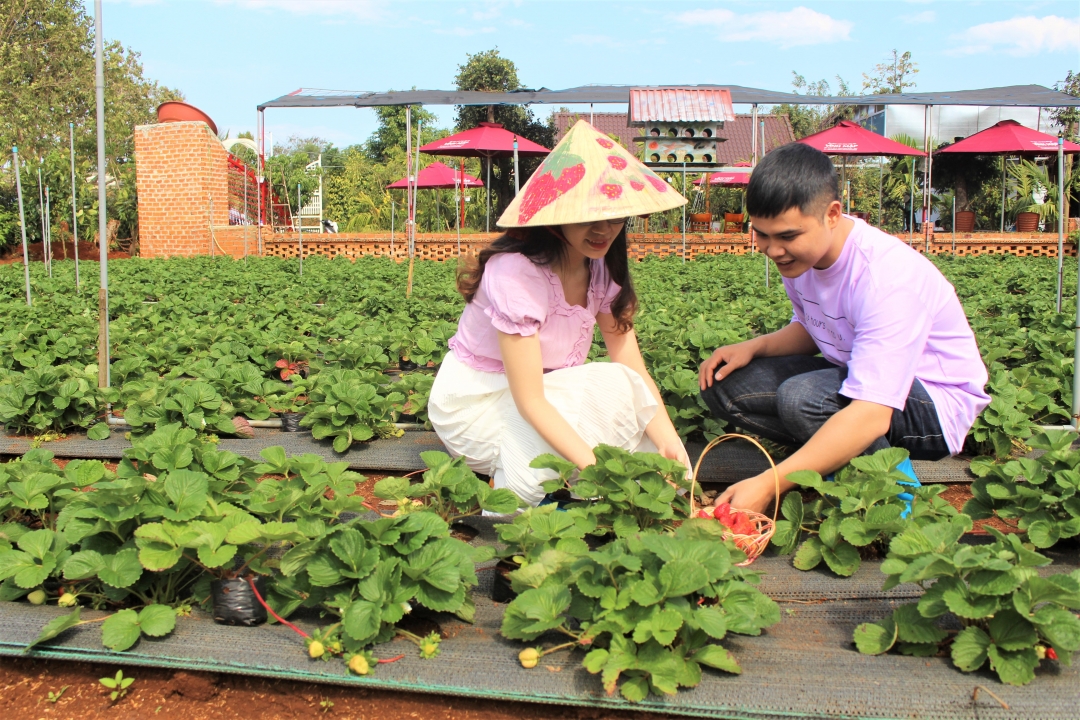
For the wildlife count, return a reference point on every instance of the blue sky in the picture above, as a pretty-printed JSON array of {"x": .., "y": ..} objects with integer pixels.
[{"x": 229, "y": 55}]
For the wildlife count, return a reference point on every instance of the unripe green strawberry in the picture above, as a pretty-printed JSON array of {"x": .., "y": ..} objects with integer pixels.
[
  {"x": 528, "y": 658},
  {"x": 1040, "y": 652},
  {"x": 67, "y": 600},
  {"x": 315, "y": 649},
  {"x": 37, "y": 597},
  {"x": 429, "y": 649},
  {"x": 359, "y": 665}
]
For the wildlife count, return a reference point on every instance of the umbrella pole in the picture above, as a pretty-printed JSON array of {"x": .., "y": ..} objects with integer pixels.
[
  {"x": 911, "y": 198},
  {"x": 409, "y": 195},
  {"x": 22, "y": 222},
  {"x": 393, "y": 204},
  {"x": 684, "y": 212},
  {"x": 928, "y": 224},
  {"x": 1002, "y": 193},
  {"x": 300, "y": 228},
  {"x": 847, "y": 190},
  {"x": 517, "y": 184},
  {"x": 103, "y": 243},
  {"x": 487, "y": 196},
  {"x": 1061, "y": 218},
  {"x": 880, "y": 181}
]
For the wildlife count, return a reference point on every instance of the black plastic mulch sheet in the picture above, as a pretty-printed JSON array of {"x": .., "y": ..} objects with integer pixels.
[
  {"x": 803, "y": 667},
  {"x": 727, "y": 463}
]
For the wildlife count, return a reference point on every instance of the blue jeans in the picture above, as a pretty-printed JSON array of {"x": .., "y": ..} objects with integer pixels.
[{"x": 787, "y": 399}]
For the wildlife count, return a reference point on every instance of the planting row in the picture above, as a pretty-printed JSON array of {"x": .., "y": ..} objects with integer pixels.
[
  {"x": 201, "y": 340},
  {"x": 623, "y": 574}
]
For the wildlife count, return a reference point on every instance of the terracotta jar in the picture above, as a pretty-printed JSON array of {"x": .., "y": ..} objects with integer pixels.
[
  {"x": 1027, "y": 222},
  {"x": 965, "y": 221}
]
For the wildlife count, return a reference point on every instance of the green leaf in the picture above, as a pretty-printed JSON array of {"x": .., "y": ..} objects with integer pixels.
[
  {"x": 717, "y": 657},
  {"x": 83, "y": 564},
  {"x": 808, "y": 556},
  {"x": 876, "y": 638},
  {"x": 99, "y": 431},
  {"x": 1043, "y": 533},
  {"x": 188, "y": 492},
  {"x": 157, "y": 620},
  {"x": 842, "y": 559},
  {"x": 122, "y": 569},
  {"x": 712, "y": 621},
  {"x": 1058, "y": 626},
  {"x": 635, "y": 689},
  {"x": 362, "y": 620},
  {"x": 1016, "y": 667},
  {"x": 1010, "y": 631},
  {"x": 968, "y": 605},
  {"x": 120, "y": 631},
  {"x": 912, "y": 627},
  {"x": 969, "y": 649},
  {"x": 56, "y": 626}
]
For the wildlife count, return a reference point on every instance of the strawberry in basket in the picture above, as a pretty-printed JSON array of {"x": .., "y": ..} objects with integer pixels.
[{"x": 738, "y": 522}]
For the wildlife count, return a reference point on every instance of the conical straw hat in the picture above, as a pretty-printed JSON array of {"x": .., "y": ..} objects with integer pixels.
[{"x": 588, "y": 177}]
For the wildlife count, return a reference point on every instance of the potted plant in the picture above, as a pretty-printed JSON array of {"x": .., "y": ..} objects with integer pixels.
[
  {"x": 965, "y": 221},
  {"x": 291, "y": 405}
]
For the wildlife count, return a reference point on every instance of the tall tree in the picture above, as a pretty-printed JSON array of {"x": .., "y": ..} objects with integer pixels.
[
  {"x": 891, "y": 77},
  {"x": 488, "y": 71},
  {"x": 390, "y": 134},
  {"x": 809, "y": 119},
  {"x": 47, "y": 81}
]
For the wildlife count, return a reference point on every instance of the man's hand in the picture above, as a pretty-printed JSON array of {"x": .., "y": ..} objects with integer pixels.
[
  {"x": 725, "y": 361},
  {"x": 756, "y": 494}
]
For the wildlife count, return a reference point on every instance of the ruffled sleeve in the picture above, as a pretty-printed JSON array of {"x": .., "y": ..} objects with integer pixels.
[{"x": 518, "y": 292}]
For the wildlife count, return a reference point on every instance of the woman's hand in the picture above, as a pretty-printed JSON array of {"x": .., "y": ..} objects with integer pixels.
[
  {"x": 730, "y": 357},
  {"x": 756, "y": 494},
  {"x": 675, "y": 450}
]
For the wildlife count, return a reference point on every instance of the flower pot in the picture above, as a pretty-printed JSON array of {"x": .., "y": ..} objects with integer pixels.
[
  {"x": 965, "y": 221},
  {"x": 1027, "y": 222},
  {"x": 236, "y": 604},
  {"x": 406, "y": 365},
  {"x": 290, "y": 421},
  {"x": 501, "y": 591}
]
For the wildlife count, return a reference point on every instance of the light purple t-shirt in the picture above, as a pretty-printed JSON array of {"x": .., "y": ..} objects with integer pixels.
[
  {"x": 887, "y": 314},
  {"x": 520, "y": 297}
]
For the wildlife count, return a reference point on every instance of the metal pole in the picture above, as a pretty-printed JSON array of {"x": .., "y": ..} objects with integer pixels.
[
  {"x": 1002, "y": 193},
  {"x": 762, "y": 123},
  {"x": 1061, "y": 216},
  {"x": 1076, "y": 360},
  {"x": 246, "y": 220},
  {"x": 487, "y": 195},
  {"x": 74, "y": 217},
  {"x": 48, "y": 231},
  {"x": 41, "y": 215},
  {"x": 300, "y": 229},
  {"x": 393, "y": 204},
  {"x": 880, "y": 176},
  {"x": 103, "y": 243},
  {"x": 261, "y": 178},
  {"x": 753, "y": 136},
  {"x": 517, "y": 184},
  {"x": 911, "y": 198},
  {"x": 591, "y": 114},
  {"x": 928, "y": 194},
  {"x": 22, "y": 222},
  {"x": 684, "y": 212},
  {"x": 409, "y": 196}
]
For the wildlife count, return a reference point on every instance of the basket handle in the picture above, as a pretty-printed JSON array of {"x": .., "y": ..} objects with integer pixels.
[{"x": 722, "y": 439}]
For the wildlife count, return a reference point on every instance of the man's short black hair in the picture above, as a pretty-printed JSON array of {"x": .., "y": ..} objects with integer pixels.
[{"x": 794, "y": 175}]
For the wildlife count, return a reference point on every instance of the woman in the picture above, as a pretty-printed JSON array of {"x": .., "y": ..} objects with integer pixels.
[{"x": 515, "y": 384}]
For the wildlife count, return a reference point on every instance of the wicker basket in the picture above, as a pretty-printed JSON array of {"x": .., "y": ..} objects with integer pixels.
[{"x": 752, "y": 545}]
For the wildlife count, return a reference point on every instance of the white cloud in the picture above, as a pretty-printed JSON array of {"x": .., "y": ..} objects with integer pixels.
[
  {"x": 1026, "y": 35},
  {"x": 800, "y": 26},
  {"x": 926, "y": 16}
]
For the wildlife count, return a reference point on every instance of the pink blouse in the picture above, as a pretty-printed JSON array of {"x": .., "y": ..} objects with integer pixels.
[{"x": 519, "y": 297}]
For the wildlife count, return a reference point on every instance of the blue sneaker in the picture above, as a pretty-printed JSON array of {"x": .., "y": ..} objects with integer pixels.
[{"x": 908, "y": 469}]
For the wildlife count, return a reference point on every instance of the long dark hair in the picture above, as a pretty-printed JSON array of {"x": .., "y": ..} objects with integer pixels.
[{"x": 544, "y": 247}]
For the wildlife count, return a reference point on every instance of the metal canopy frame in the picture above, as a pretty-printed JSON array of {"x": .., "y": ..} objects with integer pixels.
[{"x": 1008, "y": 96}]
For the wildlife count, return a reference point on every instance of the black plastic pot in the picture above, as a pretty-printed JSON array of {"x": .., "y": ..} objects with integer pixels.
[
  {"x": 290, "y": 421},
  {"x": 501, "y": 591},
  {"x": 406, "y": 365},
  {"x": 236, "y": 604}
]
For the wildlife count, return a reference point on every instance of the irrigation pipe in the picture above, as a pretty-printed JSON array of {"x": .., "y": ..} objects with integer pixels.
[{"x": 274, "y": 423}]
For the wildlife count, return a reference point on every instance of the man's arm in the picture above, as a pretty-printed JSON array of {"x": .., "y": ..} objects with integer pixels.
[
  {"x": 792, "y": 339},
  {"x": 842, "y": 437}
]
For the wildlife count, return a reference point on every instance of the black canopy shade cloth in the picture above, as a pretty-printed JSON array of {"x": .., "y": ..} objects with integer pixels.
[{"x": 1009, "y": 96}]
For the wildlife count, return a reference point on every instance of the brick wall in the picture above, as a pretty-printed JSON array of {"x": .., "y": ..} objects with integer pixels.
[{"x": 181, "y": 171}]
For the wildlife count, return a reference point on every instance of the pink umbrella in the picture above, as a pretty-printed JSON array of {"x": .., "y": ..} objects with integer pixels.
[
  {"x": 437, "y": 176},
  {"x": 1009, "y": 137},
  {"x": 489, "y": 140},
  {"x": 727, "y": 178}
]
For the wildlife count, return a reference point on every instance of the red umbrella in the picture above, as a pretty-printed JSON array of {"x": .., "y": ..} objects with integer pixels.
[
  {"x": 436, "y": 176},
  {"x": 848, "y": 138},
  {"x": 487, "y": 141},
  {"x": 727, "y": 177},
  {"x": 1009, "y": 137}
]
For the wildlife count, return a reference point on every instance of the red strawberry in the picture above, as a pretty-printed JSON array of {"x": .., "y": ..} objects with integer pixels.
[
  {"x": 570, "y": 177},
  {"x": 282, "y": 363},
  {"x": 743, "y": 526},
  {"x": 704, "y": 513},
  {"x": 540, "y": 194},
  {"x": 1051, "y": 654},
  {"x": 605, "y": 143},
  {"x": 658, "y": 184},
  {"x": 616, "y": 162},
  {"x": 637, "y": 186},
  {"x": 612, "y": 190}
]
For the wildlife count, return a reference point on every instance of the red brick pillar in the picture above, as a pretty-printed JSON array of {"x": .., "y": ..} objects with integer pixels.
[{"x": 181, "y": 172}]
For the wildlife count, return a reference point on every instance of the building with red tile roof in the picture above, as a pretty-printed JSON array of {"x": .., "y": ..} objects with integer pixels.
[{"x": 736, "y": 148}]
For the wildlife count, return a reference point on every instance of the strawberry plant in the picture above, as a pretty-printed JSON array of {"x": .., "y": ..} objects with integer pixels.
[
  {"x": 449, "y": 489},
  {"x": 861, "y": 508},
  {"x": 152, "y": 402},
  {"x": 1012, "y": 617},
  {"x": 50, "y": 398},
  {"x": 350, "y": 406},
  {"x": 625, "y": 492},
  {"x": 649, "y": 608},
  {"x": 416, "y": 387},
  {"x": 1039, "y": 496}
]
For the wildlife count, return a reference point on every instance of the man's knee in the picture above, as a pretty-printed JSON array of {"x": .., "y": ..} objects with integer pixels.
[{"x": 804, "y": 403}]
